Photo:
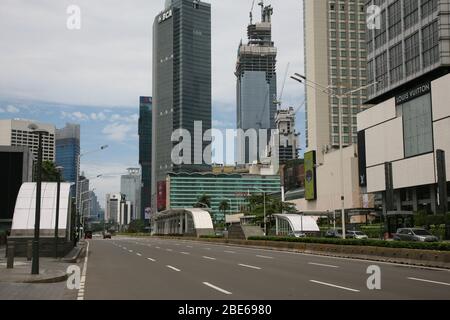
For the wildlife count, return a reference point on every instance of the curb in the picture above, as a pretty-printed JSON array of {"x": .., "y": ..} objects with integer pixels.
[{"x": 54, "y": 279}]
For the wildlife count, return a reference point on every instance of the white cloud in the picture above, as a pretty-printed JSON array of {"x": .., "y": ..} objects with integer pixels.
[
  {"x": 1, "y": 110},
  {"x": 12, "y": 109},
  {"x": 117, "y": 132},
  {"x": 75, "y": 116},
  {"x": 98, "y": 116},
  {"x": 134, "y": 118}
]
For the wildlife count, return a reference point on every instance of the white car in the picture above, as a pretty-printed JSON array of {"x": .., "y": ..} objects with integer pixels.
[{"x": 356, "y": 235}]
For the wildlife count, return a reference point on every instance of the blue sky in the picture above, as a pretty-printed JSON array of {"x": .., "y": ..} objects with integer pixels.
[{"x": 94, "y": 76}]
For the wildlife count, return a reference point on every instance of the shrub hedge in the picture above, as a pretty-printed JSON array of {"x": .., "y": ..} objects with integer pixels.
[
  {"x": 355, "y": 242},
  {"x": 211, "y": 237}
]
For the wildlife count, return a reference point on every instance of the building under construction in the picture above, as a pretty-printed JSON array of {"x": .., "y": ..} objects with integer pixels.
[{"x": 256, "y": 76}]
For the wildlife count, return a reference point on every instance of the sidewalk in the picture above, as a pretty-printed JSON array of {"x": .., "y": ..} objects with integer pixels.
[{"x": 50, "y": 284}]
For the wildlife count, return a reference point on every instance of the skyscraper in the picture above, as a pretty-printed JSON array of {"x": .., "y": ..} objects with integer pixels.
[
  {"x": 257, "y": 78},
  {"x": 145, "y": 153},
  {"x": 181, "y": 86},
  {"x": 335, "y": 56},
  {"x": 130, "y": 186},
  {"x": 16, "y": 133},
  {"x": 68, "y": 150}
]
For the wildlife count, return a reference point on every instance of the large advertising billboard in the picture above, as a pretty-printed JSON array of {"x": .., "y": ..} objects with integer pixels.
[{"x": 310, "y": 176}]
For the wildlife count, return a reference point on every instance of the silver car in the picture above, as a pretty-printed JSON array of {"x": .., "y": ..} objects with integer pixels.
[
  {"x": 356, "y": 235},
  {"x": 414, "y": 234}
]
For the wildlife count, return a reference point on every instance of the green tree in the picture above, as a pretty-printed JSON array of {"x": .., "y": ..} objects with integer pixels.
[
  {"x": 49, "y": 172},
  {"x": 136, "y": 226},
  {"x": 224, "y": 206},
  {"x": 203, "y": 202},
  {"x": 273, "y": 205}
]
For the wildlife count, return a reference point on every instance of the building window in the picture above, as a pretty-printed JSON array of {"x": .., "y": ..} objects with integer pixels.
[
  {"x": 410, "y": 12},
  {"x": 430, "y": 44},
  {"x": 412, "y": 54},
  {"x": 380, "y": 34},
  {"x": 396, "y": 63},
  {"x": 395, "y": 19},
  {"x": 417, "y": 126},
  {"x": 428, "y": 7},
  {"x": 381, "y": 70}
]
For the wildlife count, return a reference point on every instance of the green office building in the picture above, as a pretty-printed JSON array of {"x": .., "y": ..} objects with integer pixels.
[{"x": 184, "y": 190}]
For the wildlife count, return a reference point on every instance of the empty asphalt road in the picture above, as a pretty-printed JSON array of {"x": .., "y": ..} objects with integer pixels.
[{"x": 160, "y": 269}]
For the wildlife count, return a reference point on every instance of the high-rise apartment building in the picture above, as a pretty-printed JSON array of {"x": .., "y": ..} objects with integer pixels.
[
  {"x": 257, "y": 79},
  {"x": 181, "y": 87},
  {"x": 68, "y": 151},
  {"x": 335, "y": 57},
  {"x": 289, "y": 138},
  {"x": 16, "y": 133},
  {"x": 145, "y": 153},
  {"x": 130, "y": 186}
]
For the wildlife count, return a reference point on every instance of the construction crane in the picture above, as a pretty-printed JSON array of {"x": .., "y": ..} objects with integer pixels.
[
  {"x": 279, "y": 100},
  {"x": 251, "y": 12}
]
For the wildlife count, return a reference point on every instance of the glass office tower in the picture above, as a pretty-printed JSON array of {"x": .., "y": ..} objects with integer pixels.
[
  {"x": 145, "y": 153},
  {"x": 68, "y": 150},
  {"x": 181, "y": 85}
]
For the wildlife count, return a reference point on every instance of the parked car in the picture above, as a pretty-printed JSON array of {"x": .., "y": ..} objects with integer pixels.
[
  {"x": 88, "y": 235},
  {"x": 297, "y": 234},
  {"x": 356, "y": 235},
  {"x": 106, "y": 235},
  {"x": 333, "y": 233},
  {"x": 414, "y": 234}
]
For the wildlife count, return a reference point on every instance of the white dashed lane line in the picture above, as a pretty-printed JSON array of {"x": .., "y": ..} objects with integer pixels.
[
  {"x": 209, "y": 258},
  {"x": 249, "y": 266},
  {"x": 430, "y": 281},
  {"x": 173, "y": 268},
  {"x": 216, "y": 288},
  {"x": 334, "y": 286},
  {"x": 150, "y": 259},
  {"x": 264, "y": 257},
  {"x": 322, "y": 265}
]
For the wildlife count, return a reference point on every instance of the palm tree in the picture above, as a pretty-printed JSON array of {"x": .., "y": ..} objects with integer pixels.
[
  {"x": 224, "y": 206},
  {"x": 203, "y": 202}
]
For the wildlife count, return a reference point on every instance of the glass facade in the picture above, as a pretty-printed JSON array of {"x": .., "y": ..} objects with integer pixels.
[
  {"x": 181, "y": 83},
  {"x": 185, "y": 189},
  {"x": 68, "y": 150},
  {"x": 417, "y": 126},
  {"x": 145, "y": 153}
]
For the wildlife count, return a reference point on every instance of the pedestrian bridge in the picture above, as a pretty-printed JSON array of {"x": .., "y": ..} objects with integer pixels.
[{"x": 187, "y": 222}]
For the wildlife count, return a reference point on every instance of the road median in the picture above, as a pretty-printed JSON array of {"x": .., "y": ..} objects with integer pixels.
[{"x": 395, "y": 254}]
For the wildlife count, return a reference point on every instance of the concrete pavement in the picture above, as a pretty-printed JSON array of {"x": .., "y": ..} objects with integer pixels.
[{"x": 153, "y": 268}]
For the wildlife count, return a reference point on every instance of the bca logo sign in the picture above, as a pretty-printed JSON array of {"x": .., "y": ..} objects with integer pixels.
[{"x": 165, "y": 16}]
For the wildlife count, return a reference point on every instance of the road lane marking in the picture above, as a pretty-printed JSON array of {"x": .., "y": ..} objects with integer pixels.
[
  {"x": 170, "y": 250},
  {"x": 80, "y": 295},
  {"x": 322, "y": 265},
  {"x": 249, "y": 266},
  {"x": 125, "y": 248},
  {"x": 209, "y": 258},
  {"x": 189, "y": 246},
  {"x": 207, "y": 248},
  {"x": 185, "y": 253},
  {"x": 130, "y": 251},
  {"x": 157, "y": 247},
  {"x": 216, "y": 288},
  {"x": 173, "y": 268},
  {"x": 430, "y": 281},
  {"x": 138, "y": 254},
  {"x": 264, "y": 257},
  {"x": 152, "y": 260},
  {"x": 334, "y": 286},
  {"x": 227, "y": 251}
]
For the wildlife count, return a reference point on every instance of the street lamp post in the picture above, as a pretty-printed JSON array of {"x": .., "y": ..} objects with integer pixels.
[
  {"x": 78, "y": 187},
  {"x": 332, "y": 93},
  {"x": 58, "y": 196},
  {"x": 37, "y": 220}
]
